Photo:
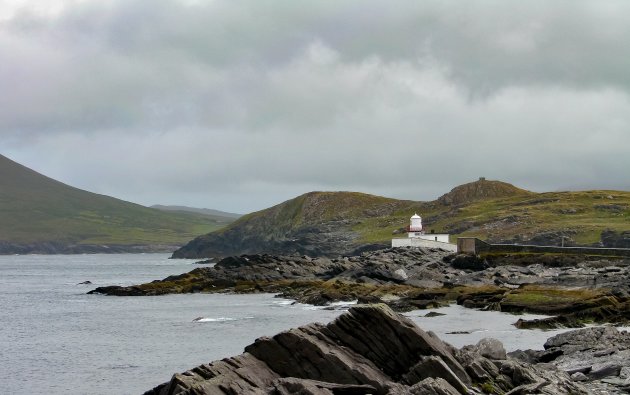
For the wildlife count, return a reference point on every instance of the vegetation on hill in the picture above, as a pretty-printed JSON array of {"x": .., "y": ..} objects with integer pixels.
[
  {"x": 341, "y": 223},
  {"x": 220, "y": 216},
  {"x": 35, "y": 209}
]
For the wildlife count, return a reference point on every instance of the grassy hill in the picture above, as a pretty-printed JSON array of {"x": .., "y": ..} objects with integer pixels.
[
  {"x": 337, "y": 223},
  {"x": 35, "y": 209},
  {"x": 540, "y": 218}
]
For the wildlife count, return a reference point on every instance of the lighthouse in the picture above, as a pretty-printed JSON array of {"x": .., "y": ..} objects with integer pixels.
[
  {"x": 416, "y": 237},
  {"x": 416, "y": 224}
]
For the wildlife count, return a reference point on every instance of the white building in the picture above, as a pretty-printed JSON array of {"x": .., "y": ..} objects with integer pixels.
[{"x": 416, "y": 237}]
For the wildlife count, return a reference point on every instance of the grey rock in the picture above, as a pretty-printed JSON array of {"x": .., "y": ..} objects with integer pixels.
[
  {"x": 491, "y": 348},
  {"x": 577, "y": 339},
  {"x": 400, "y": 344},
  {"x": 579, "y": 376},
  {"x": 616, "y": 382},
  {"x": 240, "y": 374},
  {"x": 432, "y": 366},
  {"x": 433, "y": 386},
  {"x": 309, "y": 354},
  {"x": 292, "y": 385},
  {"x": 601, "y": 370},
  {"x": 614, "y": 239}
]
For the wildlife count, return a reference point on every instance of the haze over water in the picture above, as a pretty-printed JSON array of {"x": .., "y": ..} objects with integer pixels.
[{"x": 56, "y": 339}]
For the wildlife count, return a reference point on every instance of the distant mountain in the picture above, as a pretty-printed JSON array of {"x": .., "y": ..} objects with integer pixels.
[
  {"x": 41, "y": 215},
  {"x": 344, "y": 223},
  {"x": 216, "y": 214}
]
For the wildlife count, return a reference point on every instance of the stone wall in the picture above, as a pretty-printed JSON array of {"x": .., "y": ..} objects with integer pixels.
[{"x": 472, "y": 245}]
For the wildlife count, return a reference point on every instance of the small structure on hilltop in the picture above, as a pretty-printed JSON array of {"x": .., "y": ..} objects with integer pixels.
[{"x": 417, "y": 237}]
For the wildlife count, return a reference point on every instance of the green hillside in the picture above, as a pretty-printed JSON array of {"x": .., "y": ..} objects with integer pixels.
[
  {"x": 38, "y": 209},
  {"x": 338, "y": 223},
  {"x": 579, "y": 216}
]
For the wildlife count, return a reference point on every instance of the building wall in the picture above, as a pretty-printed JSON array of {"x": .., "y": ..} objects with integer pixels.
[
  {"x": 441, "y": 237},
  {"x": 419, "y": 242}
]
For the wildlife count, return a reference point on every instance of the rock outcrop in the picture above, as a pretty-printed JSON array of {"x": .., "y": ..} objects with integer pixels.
[
  {"x": 368, "y": 350},
  {"x": 56, "y": 247},
  {"x": 571, "y": 289},
  {"x": 597, "y": 357},
  {"x": 613, "y": 239}
]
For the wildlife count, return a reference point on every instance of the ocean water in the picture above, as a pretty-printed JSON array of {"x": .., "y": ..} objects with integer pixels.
[{"x": 56, "y": 339}]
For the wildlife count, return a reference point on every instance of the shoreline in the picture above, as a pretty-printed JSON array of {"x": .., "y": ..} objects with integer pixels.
[{"x": 571, "y": 290}]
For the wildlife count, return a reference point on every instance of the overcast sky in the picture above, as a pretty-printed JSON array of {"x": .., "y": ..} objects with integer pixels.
[{"x": 239, "y": 105}]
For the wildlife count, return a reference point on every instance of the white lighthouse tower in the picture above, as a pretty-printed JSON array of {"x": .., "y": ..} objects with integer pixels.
[
  {"x": 416, "y": 237},
  {"x": 415, "y": 226}
]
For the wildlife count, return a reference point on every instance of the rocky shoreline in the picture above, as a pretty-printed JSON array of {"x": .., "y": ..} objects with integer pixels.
[
  {"x": 573, "y": 290},
  {"x": 372, "y": 350}
]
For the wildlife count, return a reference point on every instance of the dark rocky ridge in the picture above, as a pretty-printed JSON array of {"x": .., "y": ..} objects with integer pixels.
[
  {"x": 315, "y": 224},
  {"x": 330, "y": 239},
  {"x": 52, "y": 247},
  {"x": 372, "y": 350}
]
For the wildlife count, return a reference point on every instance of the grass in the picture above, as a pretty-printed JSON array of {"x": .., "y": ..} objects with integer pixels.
[
  {"x": 544, "y": 296},
  {"x": 526, "y": 215}
]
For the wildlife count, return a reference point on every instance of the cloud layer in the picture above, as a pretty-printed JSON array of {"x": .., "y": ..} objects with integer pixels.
[{"x": 240, "y": 105}]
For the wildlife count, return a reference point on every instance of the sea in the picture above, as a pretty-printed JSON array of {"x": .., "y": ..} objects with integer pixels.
[{"x": 57, "y": 339}]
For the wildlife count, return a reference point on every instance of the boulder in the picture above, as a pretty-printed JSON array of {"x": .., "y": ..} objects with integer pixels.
[
  {"x": 599, "y": 357},
  {"x": 433, "y": 386},
  {"x": 432, "y": 366},
  {"x": 292, "y": 385},
  {"x": 491, "y": 348}
]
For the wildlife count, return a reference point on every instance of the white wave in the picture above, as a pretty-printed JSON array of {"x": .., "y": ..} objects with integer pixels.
[
  {"x": 332, "y": 306},
  {"x": 283, "y": 302},
  {"x": 345, "y": 303},
  {"x": 220, "y": 319}
]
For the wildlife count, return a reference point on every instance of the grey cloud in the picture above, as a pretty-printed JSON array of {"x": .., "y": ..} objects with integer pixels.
[
  {"x": 238, "y": 105},
  {"x": 117, "y": 62}
]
